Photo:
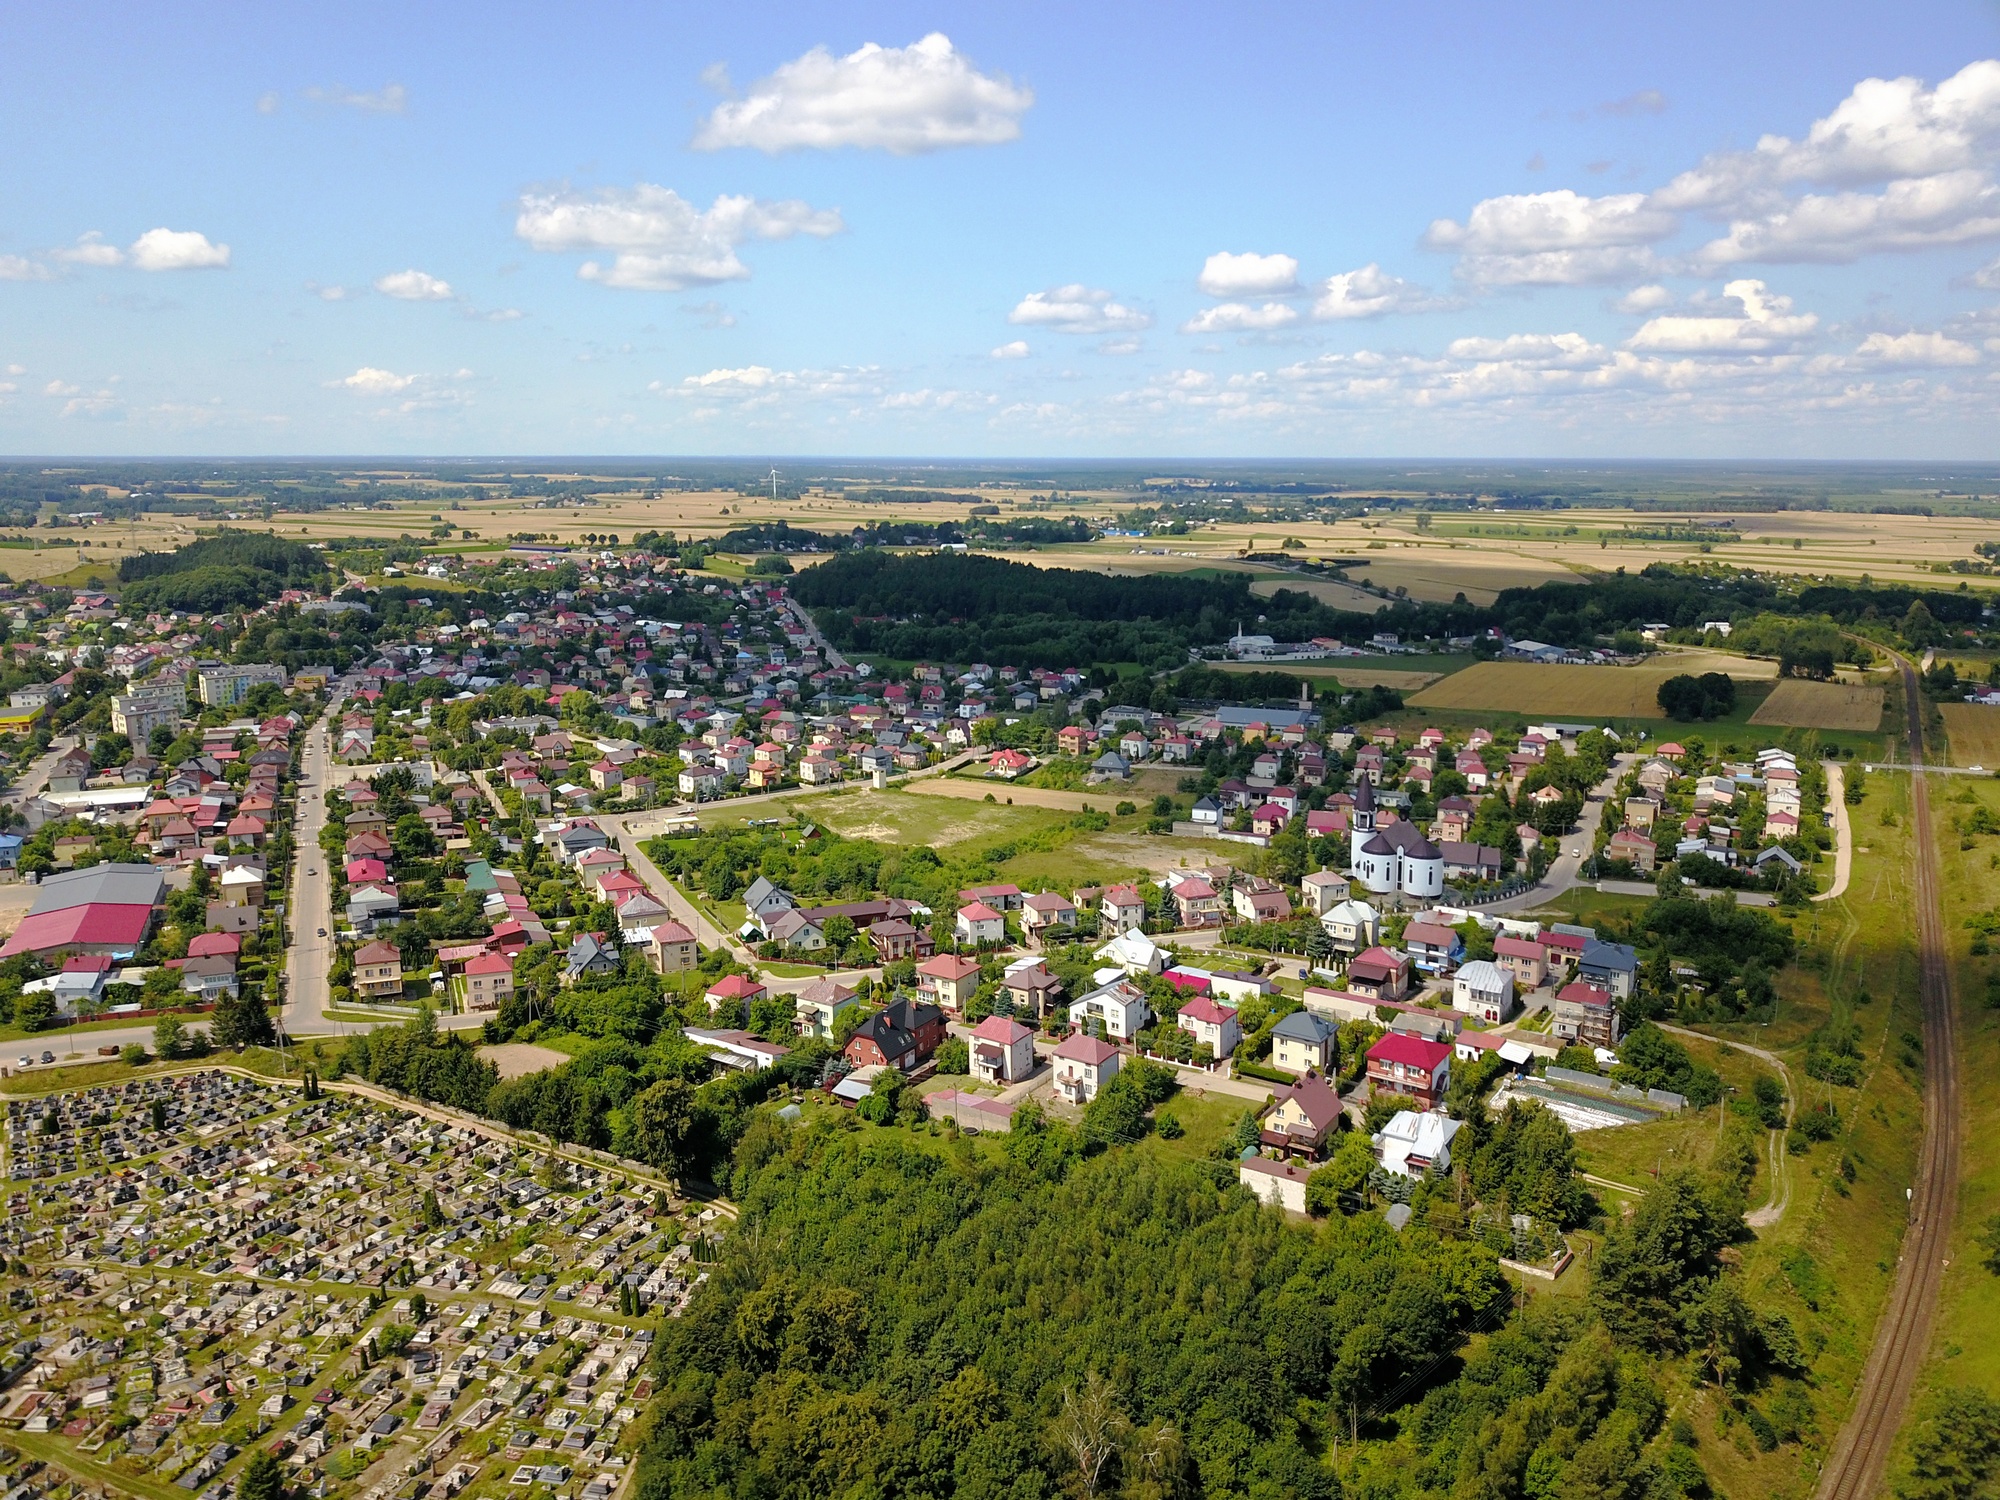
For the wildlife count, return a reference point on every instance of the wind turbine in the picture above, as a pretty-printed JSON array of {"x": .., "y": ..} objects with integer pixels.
[{"x": 774, "y": 486}]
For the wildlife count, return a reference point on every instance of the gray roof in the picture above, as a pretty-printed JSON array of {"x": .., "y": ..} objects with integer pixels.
[
  {"x": 1617, "y": 957},
  {"x": 111, "y": 885},
  {"x": 1304, "y": 1026}
]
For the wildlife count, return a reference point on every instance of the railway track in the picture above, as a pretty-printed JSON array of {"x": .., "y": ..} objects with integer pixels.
[{"x": 1903, "y": 1337}]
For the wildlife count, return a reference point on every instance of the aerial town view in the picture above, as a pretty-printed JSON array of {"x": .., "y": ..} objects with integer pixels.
[{"x": 573, "y": 927}]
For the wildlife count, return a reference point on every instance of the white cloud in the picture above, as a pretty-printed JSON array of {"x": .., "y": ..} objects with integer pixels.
[
  {"x": 1241, "y": 317},
  {"x": 1987, "y": 276},
  {"x": 1225, "y": 274},
  {"x": 373, "y": 382},
  {"x": 90, "y": 250},
  {"x": 1767, "y": 322},
  {"x": 177, "y": 250},
  {"x": 1559, "y": 238},
  {"x": 267, "y": 103},
  {"x": 904, "y": 100},
  {"x": 1886, "y": 128},
  {"x": 414, "y": 286},
  {"x": 1018, "y": 349},
  {"x": 332, "y": 293},
  {"x": 662, "y": 242},
  {"x": 391, "y": 99},
  {"x": 59, "y": 388},
  {"x": 1910, "y": 214},
  {"x": 1538, "y": 349},
  {"x": 1917, "y": 349},
  {"x": 1077, "y": 308},
  {"x": 1370, "y": 292},
  {"x": 1127, "y": 345},
  {"x": 1644, "y": 299},
  {"x": 20, "y": 268}
]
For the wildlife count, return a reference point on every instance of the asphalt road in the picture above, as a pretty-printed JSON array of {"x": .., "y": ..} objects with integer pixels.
[{"x": 1903, "y": 1337}]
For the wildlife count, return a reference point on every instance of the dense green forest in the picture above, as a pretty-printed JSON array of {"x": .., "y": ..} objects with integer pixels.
[
  {"x": 971, "y": 607},
  {"x": 235, "y": 569}
]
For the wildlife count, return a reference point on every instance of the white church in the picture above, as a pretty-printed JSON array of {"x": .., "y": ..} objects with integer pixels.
[{"x": 1396, "y": 859}]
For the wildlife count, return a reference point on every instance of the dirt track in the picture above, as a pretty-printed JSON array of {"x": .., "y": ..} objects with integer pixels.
[{"x": 1903, "y": 1337}]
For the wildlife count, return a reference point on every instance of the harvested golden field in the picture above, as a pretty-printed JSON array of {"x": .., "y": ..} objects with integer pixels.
[
  {"x": 1822, "y": 705},
  {"x": 1972, "y": 734},
  {"x": 1580, "y": 692}
]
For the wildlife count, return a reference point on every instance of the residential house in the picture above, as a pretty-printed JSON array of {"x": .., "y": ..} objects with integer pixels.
[
  {"x": 1433, "y": 947},
  {"x": 732, "y": 995},
  {"x": 1116, "y": 1011},
  {"x": 1123, "y": 909},
  {"x": 1001, "y": 1051},
  {"x": 1611, "y": 966},
  {"x": 819, "y": 1006},
  {"x": 1257, "y": 900},
  {"x": 1302, "y": 1042},
  {"x": 1524, "y": 958},
  {"x": 1083, "y": 1065},
  {"x": 894, "y": 939},
  {"x": 378, "y": 972},
  {"x": 1416, "y": 1142},
  {"x": 1196, "y": 903},
  {"x": 1353, "y": 925},
  {"x": 1281, "y": 1184},
  {"x": 590, "y": 953},
  {"x": 1586, "y": 1015},
  {"x": 1634, "y": 849},
  {"x": 489, "y": 981},
  {"x": 979, "y": 924},
  {"x": 1484, "y": 990},
  {"x": 1030, "y": 988},
  {"x": 1379, "y": 974},
  {"x": 948, "y": 980},
  {"x": 1211, "y": 1025},
  {"x": 1400, "y": 1063},
  {"x": 209, "y": 979},
  {"x": 902, "y": 1036},
  {"x": 1322, "y": 891},
  {"x": 1301, "y": 1118},
  {"x": 1047, "y": 917},
  {"x": 674, "y": 950}
]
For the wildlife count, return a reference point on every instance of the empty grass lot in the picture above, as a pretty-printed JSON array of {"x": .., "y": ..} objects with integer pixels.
[{"x": 1822, "y": 705}]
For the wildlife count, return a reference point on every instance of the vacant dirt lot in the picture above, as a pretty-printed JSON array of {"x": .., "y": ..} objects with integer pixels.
[
  {"x": 1822, "y": 705},
  {"x": 514, "y": 1059}
]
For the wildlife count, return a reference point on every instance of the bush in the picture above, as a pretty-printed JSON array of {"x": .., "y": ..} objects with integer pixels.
[
  {"x": 954, "y": 1056},
  {"x": 133, "y": 1054}
]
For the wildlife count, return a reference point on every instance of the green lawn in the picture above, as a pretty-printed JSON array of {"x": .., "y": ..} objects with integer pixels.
[{"x": 950, "y": 825}]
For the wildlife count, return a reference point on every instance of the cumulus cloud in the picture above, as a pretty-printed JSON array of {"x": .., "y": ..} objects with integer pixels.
[
  {"x": 177, "y": 250},
  {"x": 414, "y": 286},
  {"x": 90, "y": 250},
  {"x": 20, "y": 268},
  {"x": 1539, "y": 349},
  {"x": 1987, "y": 276},
  {"x": 1886, "y": 128},
  {"x": 1559, "y": 238},
  {"x": 1077, "y": 308},
  {"x": 371, "y": 381},
  {"x": 756, "y": 387},
  {"x": 1643, "y": 299},
  {"x": 1241, "y": 317},
  {"x": 1369, "y": 292},
  {"x": 1018, "y": 349},
  {"x": 390, "y": 99},
  {"x": 662, "y": 243},
  {"x": 1225, "y": 274},
  {"x": 331, "y": 293},
  {"x": 1917, "y": 349},
  {"x": 1912, "y": 214},
  {"x": 1767, "y": 322},
  {"x": 905, "y": 100}
]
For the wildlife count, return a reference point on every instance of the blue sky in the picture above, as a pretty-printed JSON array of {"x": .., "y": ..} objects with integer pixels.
[{"x": 1690, "y": 230}]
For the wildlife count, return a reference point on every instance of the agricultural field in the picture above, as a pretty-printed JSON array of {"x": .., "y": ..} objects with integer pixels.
[
  {"x": 1585, "y": 692},
  {"x": 1972, "y": 734},
  {"x": 1822, "y": 705},
  {"x": 1347, "y": 673}
]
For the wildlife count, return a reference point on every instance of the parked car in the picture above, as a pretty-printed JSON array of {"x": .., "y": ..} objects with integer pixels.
[
  {"x": 26, "y": 1061},
  {"x": 48, "y": 1057}
]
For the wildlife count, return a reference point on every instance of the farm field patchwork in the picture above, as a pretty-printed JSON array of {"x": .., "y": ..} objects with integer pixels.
[{"x": 1822, "y": 705}]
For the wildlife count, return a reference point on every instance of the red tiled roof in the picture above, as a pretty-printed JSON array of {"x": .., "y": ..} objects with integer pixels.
[
  {"x": 1412, "y": 1051},
  {"x": 97, "y": 923}
]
